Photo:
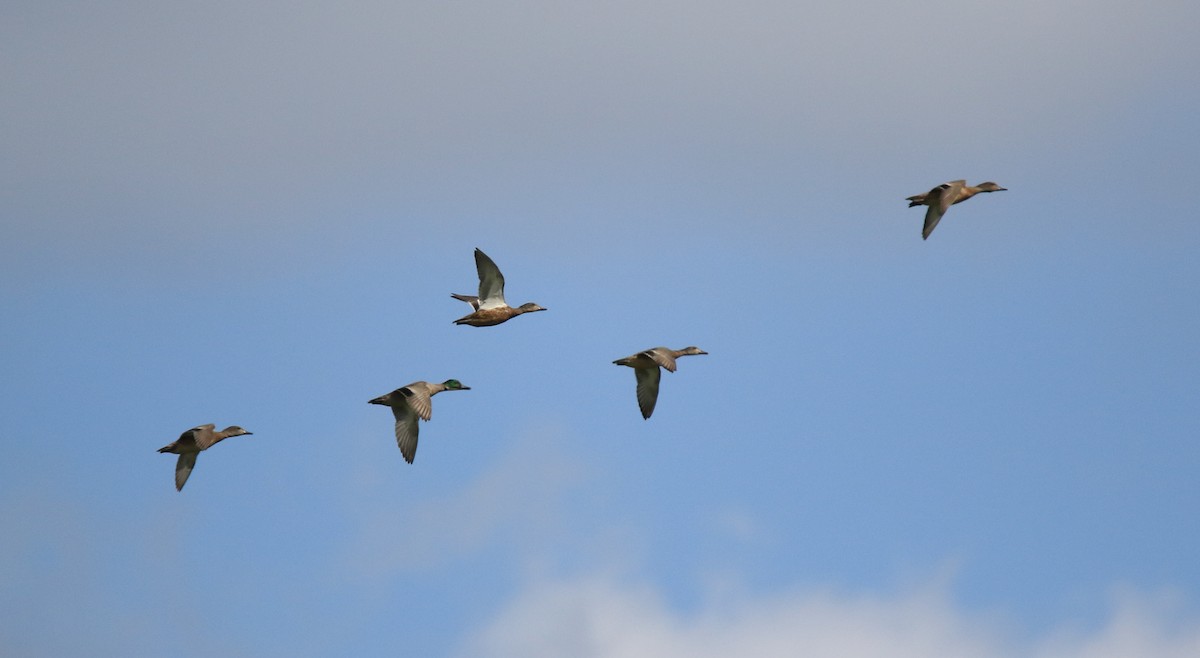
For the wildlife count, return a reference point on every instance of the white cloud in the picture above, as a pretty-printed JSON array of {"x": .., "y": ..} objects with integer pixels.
[{"x": 606, "y": 617}]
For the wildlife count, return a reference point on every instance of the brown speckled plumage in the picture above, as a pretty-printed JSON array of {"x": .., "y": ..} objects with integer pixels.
[
  {"x": 409, "y": 403},
  {"x": 646, "y": 367},
  {"x": 191, "y": 443},
  {"x": 940, "y": 198}
]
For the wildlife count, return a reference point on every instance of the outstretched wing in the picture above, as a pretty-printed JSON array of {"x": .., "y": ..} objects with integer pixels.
[
  {"x": 183, "y": 468},
  {"x": 647, "y": 389},
  {"x": 491, "y": 282},
  {"x": 406, "y": 431},
  {"x": 932, "y": 217},
  {"x": 940, "y": 199}
]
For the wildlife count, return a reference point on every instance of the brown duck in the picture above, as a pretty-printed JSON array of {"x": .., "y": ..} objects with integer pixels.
[
  {"x": 940, "y": 198},
  {"x": 409, "y": 402},
  {"x": 646, "y": 367},
  {"x": 191, "y": 443},
  {"x": 490, "y": 307}
]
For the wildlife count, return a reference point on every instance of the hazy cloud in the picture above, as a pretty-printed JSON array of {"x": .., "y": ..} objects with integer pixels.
[
  {"x": 522, "y": 494},
  {"x": 232, "y": 114},
  {"x": 607, "y": 617}
]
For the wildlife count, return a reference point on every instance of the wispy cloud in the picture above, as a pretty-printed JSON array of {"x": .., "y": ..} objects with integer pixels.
[{"x": 522, "y": 494}]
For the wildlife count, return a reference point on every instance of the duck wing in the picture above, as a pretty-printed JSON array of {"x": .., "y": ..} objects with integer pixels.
[
  {"x": 183, "y": 468},
  {"x": 205, "y": 436},
  {"x": 662, "y": 356},
  {"x": 417, "y": 396},
  {"x": 406, "y": 431},
  {"x": 647, "y": 389},
  {"x": 491, "y": 282},
  {"x": 940, "y": 199}
]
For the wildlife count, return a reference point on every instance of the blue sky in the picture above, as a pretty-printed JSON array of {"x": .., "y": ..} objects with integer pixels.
[{"x": 983, "y": 444}]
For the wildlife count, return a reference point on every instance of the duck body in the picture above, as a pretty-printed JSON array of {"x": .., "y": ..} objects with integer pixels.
[
  {"x": 194, "y": 441},
  {"x": 489, "y": 308},
  {"x": 647, "y": 368},
  {"x": 409, "y": 403},
  {"x": 940, "y": 198},
  {"x": 488, "y": 317}
]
